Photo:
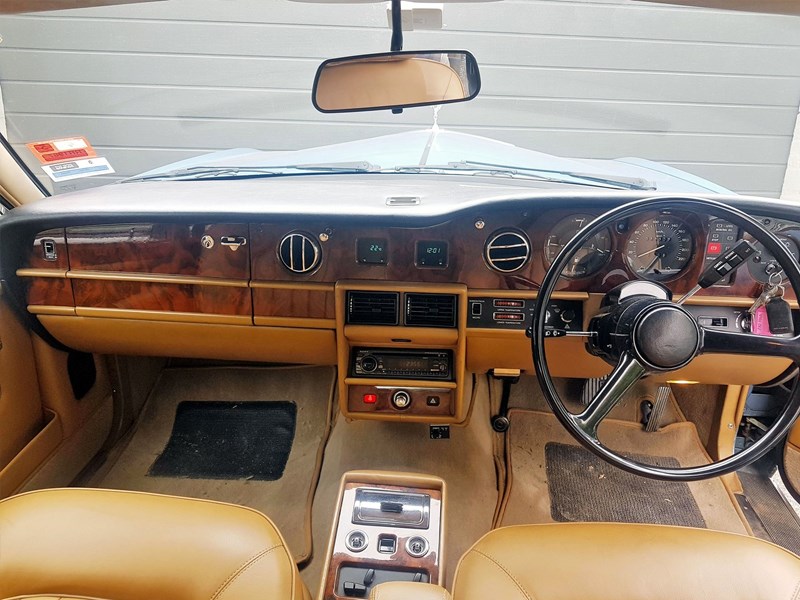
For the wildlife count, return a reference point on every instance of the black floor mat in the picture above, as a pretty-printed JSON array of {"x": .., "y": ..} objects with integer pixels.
[
  {"x": 773, "y": 520},
  {"x": 228, "y": 440},
  {"x": 584, "y": 488}
]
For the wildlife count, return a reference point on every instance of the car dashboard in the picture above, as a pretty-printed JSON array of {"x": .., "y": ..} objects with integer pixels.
[{"x": 406, "y": 303}]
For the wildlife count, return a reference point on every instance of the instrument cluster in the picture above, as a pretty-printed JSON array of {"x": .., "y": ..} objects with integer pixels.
[{"x": 660, "y": 247}]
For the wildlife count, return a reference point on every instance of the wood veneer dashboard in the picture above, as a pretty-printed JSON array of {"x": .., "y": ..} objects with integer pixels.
[{"x": 220, "y": 290}]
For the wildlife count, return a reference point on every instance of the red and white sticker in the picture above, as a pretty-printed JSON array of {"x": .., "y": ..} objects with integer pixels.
[{"x": 53, "y": 151}]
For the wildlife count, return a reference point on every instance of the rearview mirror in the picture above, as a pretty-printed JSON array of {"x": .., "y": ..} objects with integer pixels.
[{"x": 394, "y": 80}]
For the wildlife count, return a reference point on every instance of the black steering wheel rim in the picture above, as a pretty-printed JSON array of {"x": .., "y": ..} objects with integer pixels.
[{"x": 712, "y": 207}]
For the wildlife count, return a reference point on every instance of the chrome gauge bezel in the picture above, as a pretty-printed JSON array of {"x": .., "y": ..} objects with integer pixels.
[
  {"x": 548, "y": 260},
  {"x": 635, "y": 232}
]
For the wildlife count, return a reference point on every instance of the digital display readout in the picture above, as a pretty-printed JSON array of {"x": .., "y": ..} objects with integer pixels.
[
  {"x": 372, "y": 251},
  {"x": 432, "y": 254},
  {"x": 402, "y": 363}
]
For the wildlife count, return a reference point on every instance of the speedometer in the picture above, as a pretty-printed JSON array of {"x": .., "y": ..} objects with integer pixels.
[
  {"x": 659, "y": 248},
  {"x": 592, "y": 256}
]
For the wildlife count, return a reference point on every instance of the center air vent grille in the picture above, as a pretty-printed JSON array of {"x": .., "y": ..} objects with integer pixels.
[
  {"x": 373, "y": 308},
  {"x": 299, "y": 252},
  {"x": 431, "y": 310},
  {"x": 507, "y": 251}
]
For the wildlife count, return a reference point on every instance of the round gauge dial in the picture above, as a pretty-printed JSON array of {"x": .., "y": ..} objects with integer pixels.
[
  {"x": 659, "y": 248},
  {"x": 592, "y": 256},
  {"x": 763, "y": 263}
]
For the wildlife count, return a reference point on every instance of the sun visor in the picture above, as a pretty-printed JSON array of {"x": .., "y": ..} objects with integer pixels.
[
  {"x": 785, "y": 7},
  {"x": 29, "y": 6}
]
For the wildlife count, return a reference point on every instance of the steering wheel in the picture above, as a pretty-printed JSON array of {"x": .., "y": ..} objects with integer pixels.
[{"x": 643, "y": 334}]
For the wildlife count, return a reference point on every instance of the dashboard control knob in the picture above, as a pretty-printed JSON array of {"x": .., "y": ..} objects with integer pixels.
[
  {"x": 568, "y": 316},
  {"x": 369, "y": 364},
  {"x": 417, "y": 546},
  {"x": 356, "y": 541},
  {"x": 401, "y": 400}
]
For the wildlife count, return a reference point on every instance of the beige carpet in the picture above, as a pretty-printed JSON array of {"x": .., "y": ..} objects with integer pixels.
[
  {"x": 286, "y": 501},
  {"x": 528, "y": 499},
  {"x": 465, "y": 462}
]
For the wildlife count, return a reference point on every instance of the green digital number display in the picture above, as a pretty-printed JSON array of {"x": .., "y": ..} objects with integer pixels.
[
  {"x": 372, "y": 251},
  {"x": 432, "y": 254}
]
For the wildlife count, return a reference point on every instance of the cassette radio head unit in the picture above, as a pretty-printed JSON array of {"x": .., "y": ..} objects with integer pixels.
[{"x": 402, "y": 364}]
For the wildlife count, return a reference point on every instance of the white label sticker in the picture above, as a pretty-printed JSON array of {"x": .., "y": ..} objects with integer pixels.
[
  {"x": 75, "y": 169},
  {"x": 72, "y": 144}
]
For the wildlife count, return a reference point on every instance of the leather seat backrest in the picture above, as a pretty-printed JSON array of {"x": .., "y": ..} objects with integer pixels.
[
  {"x": 594, "y": 561},
  {"x": 129, "y": 546}
]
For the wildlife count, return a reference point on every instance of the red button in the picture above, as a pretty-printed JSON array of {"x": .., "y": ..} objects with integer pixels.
[
  {"x": 714, "y": 248},
  {"x": 370, "y": 398}
]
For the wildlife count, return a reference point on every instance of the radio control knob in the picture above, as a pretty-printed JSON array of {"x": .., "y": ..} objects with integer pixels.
[
  {"x": 401, "y": 400},
  {"x": 369, "y": 364}
]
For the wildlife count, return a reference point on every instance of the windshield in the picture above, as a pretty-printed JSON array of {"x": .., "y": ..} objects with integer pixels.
[{"x": 615, "y": 94}]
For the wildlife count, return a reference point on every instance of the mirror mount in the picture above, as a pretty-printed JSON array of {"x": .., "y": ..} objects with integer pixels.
[
  {"x": 397, "y": 26},
  {"x": 397, "y": 35}
]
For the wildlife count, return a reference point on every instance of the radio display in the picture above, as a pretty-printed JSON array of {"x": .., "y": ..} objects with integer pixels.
[
  {"x": 371, "y": 251},
  {"x": 432, "y": 254},
  {"x": 404, "y": 363}
]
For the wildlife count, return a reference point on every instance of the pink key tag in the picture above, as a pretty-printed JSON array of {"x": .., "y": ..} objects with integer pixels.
[{"x": 759, "y": 324}]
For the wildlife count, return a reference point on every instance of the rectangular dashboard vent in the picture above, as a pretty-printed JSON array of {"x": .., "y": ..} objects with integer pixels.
[
  {"x": 373, "y": 308},
  {"x": 431, "y": 310}
]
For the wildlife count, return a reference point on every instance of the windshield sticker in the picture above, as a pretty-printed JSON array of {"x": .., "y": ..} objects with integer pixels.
[
  {"x": 75, "y": 169},
  {"x": 53, "y": 151}
]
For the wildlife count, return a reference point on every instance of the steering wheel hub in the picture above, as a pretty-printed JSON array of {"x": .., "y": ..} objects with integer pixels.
[{"x": 666, "y": 337}]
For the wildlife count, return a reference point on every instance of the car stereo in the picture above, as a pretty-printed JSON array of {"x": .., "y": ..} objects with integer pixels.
[{"x": 394, "y": 364}]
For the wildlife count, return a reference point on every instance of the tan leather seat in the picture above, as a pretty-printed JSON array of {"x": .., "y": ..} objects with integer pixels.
[
  {"x": 114, "y": 545},
  {"x": 576, "y": 561}
]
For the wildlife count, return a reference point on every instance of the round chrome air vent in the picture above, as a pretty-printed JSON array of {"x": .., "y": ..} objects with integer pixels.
[
  {"x": 507, "y": 250},
  {"x": 299, "y": 252}
]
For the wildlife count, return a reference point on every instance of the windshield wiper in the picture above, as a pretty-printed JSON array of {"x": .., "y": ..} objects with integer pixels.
[
  {"x": 623, "y": 183},
  {"x": 255, "y": 172}
]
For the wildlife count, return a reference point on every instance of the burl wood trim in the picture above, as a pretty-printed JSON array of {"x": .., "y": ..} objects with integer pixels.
[
  {"x": 169, "y": 249},
  {"x": 399, "y": 559},
  {"x": 49, "y": 291},
  {"x": 418, "y": 405},
  {"x": 466, "y": 263},
  {"x": 154, "y": 296},
  {"x": 36, "y": 260},
  {"x": 303, "y": 303}
]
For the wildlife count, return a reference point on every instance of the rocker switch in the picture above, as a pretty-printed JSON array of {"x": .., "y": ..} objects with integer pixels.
[{"x": 49, "y": 250}]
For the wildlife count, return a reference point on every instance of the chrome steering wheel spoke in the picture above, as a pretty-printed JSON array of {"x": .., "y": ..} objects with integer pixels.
[
  {"x": 627, "y": 372},
  {"x": 715, "y": 341}
]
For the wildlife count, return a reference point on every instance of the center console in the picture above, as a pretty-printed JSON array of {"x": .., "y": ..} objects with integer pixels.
[
  {"x": 401, "y": 350},
  {"x": 388, "y": 527}
]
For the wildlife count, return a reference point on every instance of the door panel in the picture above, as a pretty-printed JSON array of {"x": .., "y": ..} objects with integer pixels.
[{"x": 21, "y": 412}]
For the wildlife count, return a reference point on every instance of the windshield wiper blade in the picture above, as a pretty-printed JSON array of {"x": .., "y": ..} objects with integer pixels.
[
  {"x": 251, "y": 172},
  {"x": 625, "y": 183},
  {"x": 465, "y": 168}
]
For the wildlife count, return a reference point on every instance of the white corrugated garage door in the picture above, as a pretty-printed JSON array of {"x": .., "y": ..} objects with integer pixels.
[{"x": 714, "y": 93}]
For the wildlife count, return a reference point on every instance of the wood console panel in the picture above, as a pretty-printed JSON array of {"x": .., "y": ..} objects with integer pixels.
[
  {"x": 418, "y": 393},
  {"x": 160, "y": 248}
]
